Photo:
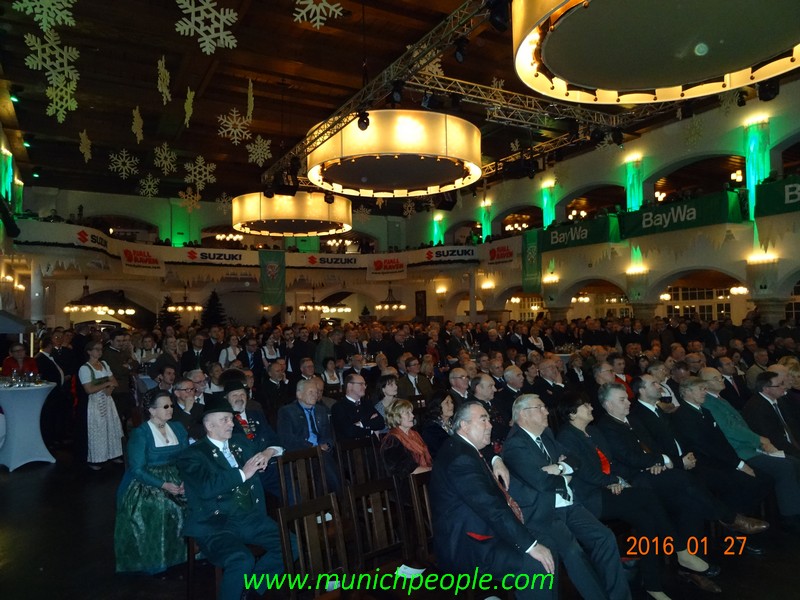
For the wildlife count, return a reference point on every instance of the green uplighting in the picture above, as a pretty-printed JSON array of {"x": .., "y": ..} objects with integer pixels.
[
  {"x": 757, "y": 164},
  {"x": 548, "y": 206},
  {"x": 636, "y": 256},
  {"x": 634, "y": 192}
]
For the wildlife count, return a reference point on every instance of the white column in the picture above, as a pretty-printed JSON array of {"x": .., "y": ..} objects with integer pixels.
[{"x": 37, "y": 292}]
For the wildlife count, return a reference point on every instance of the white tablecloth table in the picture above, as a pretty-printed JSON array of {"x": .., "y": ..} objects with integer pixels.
[{"x": 23, "y": 408}]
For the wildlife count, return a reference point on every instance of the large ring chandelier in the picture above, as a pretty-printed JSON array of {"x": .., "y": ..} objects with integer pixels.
[{"x": 304, "y": 214}]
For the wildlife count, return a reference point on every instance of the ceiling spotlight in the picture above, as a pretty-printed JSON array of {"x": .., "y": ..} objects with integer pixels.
[
  {"x": 328, "y": 197},
  {"x": 597, "y": 135},
  {"x": 363, "y": 120},
  {"x": 498, "y": 14},
  {"x": 617, "y": 137},
  {"x": 769, "y": 89},
  {"x": 455, "y": 101},
  {"x": 27, "y": 139},
  {"x": 397, "y": 91},
  {"x": 269, "y": 191},
  {"x": 461, "y": 49},
  {"x": 14, "y": 93},
  {"x": 37, "y": 172}
]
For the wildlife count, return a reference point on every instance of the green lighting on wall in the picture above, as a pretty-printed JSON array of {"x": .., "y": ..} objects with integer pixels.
[
  {"x": 486, "y": 219},
  {"x": 757, "y": 164},
  {"x": 634, "y": 191},
  {"x": 548, "y": 204},
  {"x": 437, "y": 229}
]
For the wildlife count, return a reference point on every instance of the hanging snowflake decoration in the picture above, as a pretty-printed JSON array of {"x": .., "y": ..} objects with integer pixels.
[
  {"x": 48, "y": 55},
  {"x": 137, "y": 124},
  {"x": 379, "y": 202},
  {"x": 728, "y": 100},
  {"x": 224, "y": 203},
  {"x": 515, "y": 146},
  {"x": 259, "y": 151},
  {"x": 208, "y": 23},
  {"x": 123, "y": 164},
  {"x": 408, "y": 208},
  {"x": 606, "y": 142},
  {"x": 693, "y": 132},
  {"x": 433, "y": 68},
  {"x": 165, "y": 159},
  {"x": 234, "y": 127},
  {"x": 148, "y": 186},
  {"x": 163, "y": 81},
  {"x": 250, "y": 100},
  {"x": 47, "y": 13},
  {"x": 200, "y": 173},
  {"x": 189, "y": 200},
  {"x": 497, "y": 87},
  {"x": 188, "y": 107},
  {"x": 62, "y": 99},
  {"x": 85, "y": 146},
  {"x": 316, "y": 12},
  {"x": 361, "y": 214}
]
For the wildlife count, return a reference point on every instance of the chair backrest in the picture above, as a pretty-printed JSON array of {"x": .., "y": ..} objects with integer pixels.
[
  {"x": 320, "y": 541},
  {"x": 302, "y": 475},
  {"x": 423, "y": 520},
  {"x": 378, "y": 520},
  {"x": 360, "y": 460}
]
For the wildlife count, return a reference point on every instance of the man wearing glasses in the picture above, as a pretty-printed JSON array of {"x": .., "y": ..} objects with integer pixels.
[
  {"x": 353, "y": 418},
  {"x": 769, "y": 415},
  {"x": 459, "y": 386},
  {"x": 188, "y": 412}
]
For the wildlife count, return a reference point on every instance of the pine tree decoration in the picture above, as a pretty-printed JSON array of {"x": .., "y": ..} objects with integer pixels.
[
  {"x": 213, "y": 312},
  {"x": 165, "y": 317}
]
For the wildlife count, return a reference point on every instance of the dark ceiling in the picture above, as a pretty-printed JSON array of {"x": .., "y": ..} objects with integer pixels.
[{"x": 300, "y": 76}]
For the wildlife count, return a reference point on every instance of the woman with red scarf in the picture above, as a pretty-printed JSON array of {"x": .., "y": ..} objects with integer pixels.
[{"x": 403, "y": 450}]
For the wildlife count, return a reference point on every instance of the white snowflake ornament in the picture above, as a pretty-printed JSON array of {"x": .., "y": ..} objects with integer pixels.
[
  {"x": 190, "y": 200},
  {"x": 123, "y": 164},
  {"x": 316, "y": 12},
  {"x": 234, "y": 126},
  {"x": 48, "y": 55},
  {"x": 200, "y": 173},
  {"x": 148, "y": 186},
  {"x": 433, "y": 68},
  {"x": 47, "y": 13},
  {"x": 515, "y": 146},
  {"x": 408, "y": 208},
  {"x": 188, "y": 106},
  {"x": 259, "y": 151},
  {"x": 224, "y": 203},
  {"x": 165, "y": 159},
  {"x": 208, "y": 23},
  {"x": 62, "y": 100},
  {"x": 85, "y": 146},
  {"x": 136, "y": 125},
  {"x": 163, "y": 80},
  {"x": 250, "y": 100},
  {"x": 361, "y": 214}
]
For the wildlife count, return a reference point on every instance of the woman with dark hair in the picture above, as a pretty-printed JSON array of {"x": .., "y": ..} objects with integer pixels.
[
  {"x": 332, "y": 383},
  {"x": 403, "y": 450},
  {"x": 19, "y": 361},
  {"x": 608, "y": 496},
  {"x": 214, "y": 371},
  {"x": 531, "y": 372},
  {"x": 385, "y": 393},
  {"x": 150, "y": 503},
  {"x": 438, "y": 422}
]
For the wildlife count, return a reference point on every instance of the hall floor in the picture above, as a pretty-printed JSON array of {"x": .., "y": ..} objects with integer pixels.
[{"x": 56, "y": 542}]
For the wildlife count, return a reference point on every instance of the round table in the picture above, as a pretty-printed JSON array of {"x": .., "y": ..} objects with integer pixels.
[{"x": 23, "y": 408}]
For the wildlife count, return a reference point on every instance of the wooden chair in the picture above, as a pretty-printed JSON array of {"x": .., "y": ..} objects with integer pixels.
[
  {"x": 302, "y": 475},
  {"x": 360, "y": 460},
  {"x": 423, "y": 520},
  {"x": 379, "y": 522},
  {"x": 321, "y": 548},
  {"x": 192, "y": 550}
]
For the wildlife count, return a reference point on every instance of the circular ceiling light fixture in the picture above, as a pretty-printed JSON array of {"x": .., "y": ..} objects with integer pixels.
[
  {"x": 304, "y": 214},
  {"x": 638, "y": 51},
  {"x": 402, "y": 153}
]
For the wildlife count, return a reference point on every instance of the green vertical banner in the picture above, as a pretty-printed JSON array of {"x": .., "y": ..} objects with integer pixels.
[
  {"x": 272, "y": 272},
  {"x": 531, "y": 263}
]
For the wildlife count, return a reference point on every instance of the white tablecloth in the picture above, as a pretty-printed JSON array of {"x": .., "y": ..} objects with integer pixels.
[{"x": 23, "y": 407}]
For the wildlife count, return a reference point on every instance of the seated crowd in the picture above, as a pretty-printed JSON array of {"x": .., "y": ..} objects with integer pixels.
[{"x": 663, "y": 429}]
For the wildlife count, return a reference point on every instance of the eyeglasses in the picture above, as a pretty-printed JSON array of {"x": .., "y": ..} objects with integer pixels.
[
  {"x": 166, "y": 406},
  {"x": 542, "y": 407},
  {"x": 191, "y": 389},
  {"x": 357, "y": 383}
]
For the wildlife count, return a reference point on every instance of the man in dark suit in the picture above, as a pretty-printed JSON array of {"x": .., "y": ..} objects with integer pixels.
[
  {"x": 655, "y": 430},
  {"x": 511, "y": 390},
  {"x": 717, "y": 463},
  {"x": 225, "y": 508},
  {"x": 274, "y": 391},
  {"x": 195, "y": 357},
  {"x": 351, "y": 418},
  {"x": 482, "y": 388},
  {"x": 549, "y": 385},
  {"x": 412, "y": 384},
  {"x": 249, "y": 420},
  {"x": 187, "y": 411},
  {"x": 476, "y": 523},
  {"x": 735, "y": 391},
  {"x": 56, "y": 408},
  {"x": 305, "y": 424},
  {"x": 250, "y": 358},
  {"x": 459, "y": 386},
  {"x": 769, "y": 415},
  {"x": 540, "y": 474}
]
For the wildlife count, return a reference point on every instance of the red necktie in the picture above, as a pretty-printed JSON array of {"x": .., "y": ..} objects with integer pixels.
[
  {"x": 605, "y": 466},
  {"x": 246, "y": 426},
  {"x": 512, "y": 504}
]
